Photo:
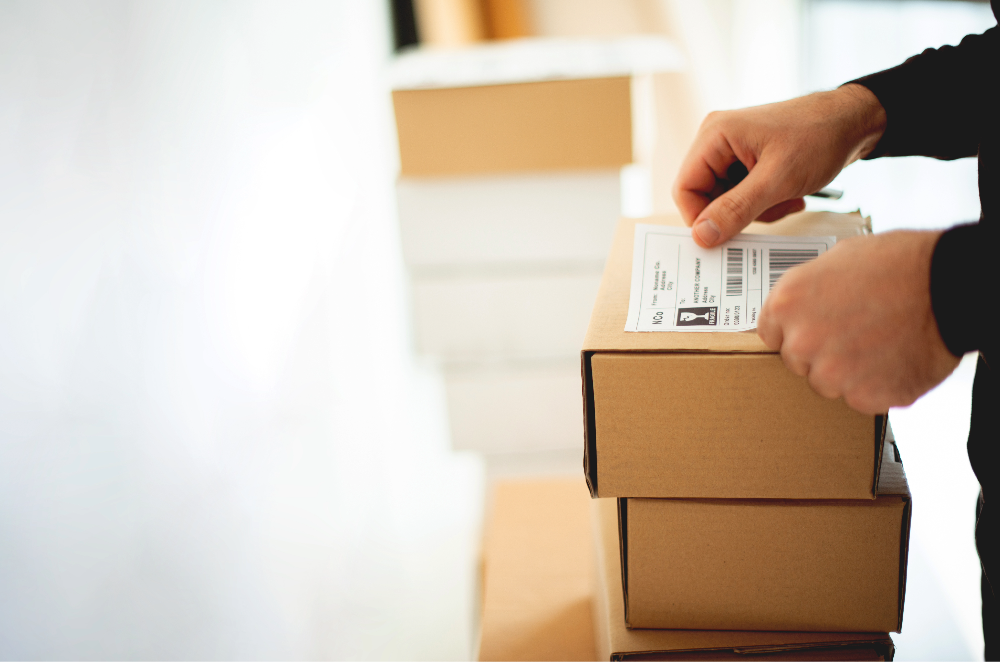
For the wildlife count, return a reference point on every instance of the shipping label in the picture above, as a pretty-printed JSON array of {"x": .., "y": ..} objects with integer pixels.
[{"x": 679, "y": 286}]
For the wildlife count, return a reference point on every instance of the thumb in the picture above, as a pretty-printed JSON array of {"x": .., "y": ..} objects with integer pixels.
[{"x": 732, "y": 211}]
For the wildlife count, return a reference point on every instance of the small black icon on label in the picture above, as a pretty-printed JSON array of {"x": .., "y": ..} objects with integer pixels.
[{"x": 705, "y": 316}]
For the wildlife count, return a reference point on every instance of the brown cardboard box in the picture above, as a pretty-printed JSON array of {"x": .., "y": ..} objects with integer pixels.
[
  {"x": 616, "y": 642},
  {"x": 545, "y": 125},
  {"x": 778, "y": 564},
  {"x": 542, "y": 105},
  {"x": 714, "y": 415},
  {"x": 539, "y": 588},
  {"x": 537, "y": 572}
]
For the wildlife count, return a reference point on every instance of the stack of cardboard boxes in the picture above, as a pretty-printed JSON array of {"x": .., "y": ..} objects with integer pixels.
[
  {"x": 511, "y": 162},
  {"x": 741, "y": 512},
  {"x": 739, "y": 498}
]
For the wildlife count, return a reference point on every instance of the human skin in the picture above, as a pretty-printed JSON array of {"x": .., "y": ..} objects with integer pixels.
[{"x": 857, "y": 321}]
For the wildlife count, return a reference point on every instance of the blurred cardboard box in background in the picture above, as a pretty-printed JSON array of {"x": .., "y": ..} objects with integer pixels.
[
  {"x": 576, "y": 124},
  {"x": 511, "y": 183}
]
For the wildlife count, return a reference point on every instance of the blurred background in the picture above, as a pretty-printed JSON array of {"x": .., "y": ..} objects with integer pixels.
[{"x": 248, "y": 408}]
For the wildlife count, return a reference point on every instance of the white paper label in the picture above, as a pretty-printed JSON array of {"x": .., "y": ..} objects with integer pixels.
[{"x": 679, "y": 286}]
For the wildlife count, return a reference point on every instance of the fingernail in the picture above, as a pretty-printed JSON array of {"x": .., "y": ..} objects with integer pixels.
[{"x": 707, "y": 231}]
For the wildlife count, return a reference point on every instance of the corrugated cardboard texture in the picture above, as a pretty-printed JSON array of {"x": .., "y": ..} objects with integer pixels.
[
  {"x": 724, "y": 426},
  {"x": 714, "y": 415},
  {"x": 551, "y": 125},
  {"x": 768, "y": 564},
  {"x": 616, "y": 642},
  {"x": 537, "y": 573}
]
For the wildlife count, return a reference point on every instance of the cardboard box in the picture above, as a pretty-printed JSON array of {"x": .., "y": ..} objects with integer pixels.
[
  {"x": 533, "y": 105},
  {"x": 769, "y": 564},
  {"x": 616, "y": 642},
  {"x": 550, "y": 125},
  {"x": 531, "y": 314},
  {"x": 541, "y": 602},
  {"x": 537, "y": 572},
  {"x": 514, "y": 407},
  {"x": 714, "y": 415},
  {"x": 562, "y": 217}
]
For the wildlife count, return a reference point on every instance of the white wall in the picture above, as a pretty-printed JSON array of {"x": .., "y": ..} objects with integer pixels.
[{"x": 213, "y": 440}]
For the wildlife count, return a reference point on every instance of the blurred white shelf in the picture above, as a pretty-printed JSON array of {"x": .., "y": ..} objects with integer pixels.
[
  {"x": 560, "y": 216},
  {"x": 533, "y": 59},
  {"x": 516, "y": 407}
]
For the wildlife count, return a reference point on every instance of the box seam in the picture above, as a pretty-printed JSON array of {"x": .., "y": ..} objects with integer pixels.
[
  {"x": 623, "y": 552},
  {"x": 589, "y": 424}
]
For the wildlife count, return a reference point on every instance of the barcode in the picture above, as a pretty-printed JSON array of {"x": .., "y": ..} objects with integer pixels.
[
  {"x": 783, "y": 259},
  {"x": 734, "y": 272}
]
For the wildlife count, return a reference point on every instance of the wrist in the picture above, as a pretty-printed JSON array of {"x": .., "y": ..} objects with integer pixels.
[{"x": 863, "y": 116}]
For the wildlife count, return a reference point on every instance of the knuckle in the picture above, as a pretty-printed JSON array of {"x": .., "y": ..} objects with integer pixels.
[
  {"x": 796, "y": 346},
  {"x": 824, "y": 379},
  {"x": 865, "y": 400},
  {"x": 735, "y": 207},
  {"x": 803, "y": 352},
  {"x": 778, "y": 302},
  {"x": 855, "y": 401},
  {"x": 767, "y": 334},
  {"x": 793, "y": 362}
]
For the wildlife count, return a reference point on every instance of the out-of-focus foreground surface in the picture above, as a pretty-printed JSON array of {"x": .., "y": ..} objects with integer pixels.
[{"x": 215, "y": 439}]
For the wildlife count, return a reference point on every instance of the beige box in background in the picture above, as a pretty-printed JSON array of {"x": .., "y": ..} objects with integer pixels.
[
  {"x": 768, "y": 564},
  {"x": 505, "y": 408},
  {"x": 512, "y": 219},
  {"x": 537, "y": 562},
  {"x": 523, "y": 314},
  {"x": 545, "y": 125},
  {"x": 714, "y": 415},
  {"x": 617, "y": 642},
  {"x": 541, "y": 105}
]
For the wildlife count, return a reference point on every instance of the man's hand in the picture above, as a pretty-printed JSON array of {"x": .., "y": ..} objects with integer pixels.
[
  {"x": 857, "y": 321},
  {"x": 792, "y": 149}
]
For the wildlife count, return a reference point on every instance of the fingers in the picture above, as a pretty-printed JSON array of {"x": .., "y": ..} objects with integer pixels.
[
  {"x": 769, "y": 330},
  {"x": 796, "y": 364},
  {"x": 698, "y": 182},
  {"x": 728, "y": 214},
  {"x": 711, "y": 154},
  {"x": 825, "y": 379}
]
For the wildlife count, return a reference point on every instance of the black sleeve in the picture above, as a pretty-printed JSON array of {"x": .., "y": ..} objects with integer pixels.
[
  {"x": 937, "y": 103},
  {"x": 962, "y": 289},
  {"x": 943, "y": 103}
]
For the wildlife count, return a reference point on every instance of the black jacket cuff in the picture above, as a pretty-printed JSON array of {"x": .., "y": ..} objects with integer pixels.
[{"x": 956, "y": 279}]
